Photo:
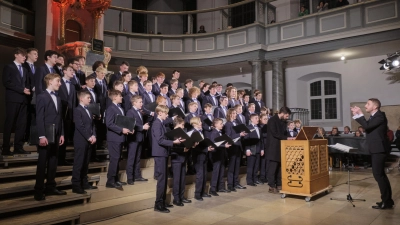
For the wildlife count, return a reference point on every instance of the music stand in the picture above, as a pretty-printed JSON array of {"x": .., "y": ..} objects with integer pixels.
[{"x": 348, "y": 198}]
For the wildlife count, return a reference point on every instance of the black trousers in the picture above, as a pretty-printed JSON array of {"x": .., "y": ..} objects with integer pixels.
[
  {"x": 253, "y": 164},
  {"x": 101, "y": 132},
  {"x": 46, "y": 167},
  {"x": 274, "y": 174},
  {"x": 179, "y": 171},
  {"x": 234, "y": 155},
  {"x": 200, "y": 165},
  {"x": 30, "y": 120},
  {"x": 80, "y": 168},
  {"x": 161, "y": 166},
  {"x": 218, "y": 162},
  {"x": 378, "y": 170},
  {"x": 264, "y": 168},
  {"x": 133, "y": 164},
  {"x": 16, "y": 114},
  {"x": 114, "y": 151},
  {"x": 68, "y": 134}
]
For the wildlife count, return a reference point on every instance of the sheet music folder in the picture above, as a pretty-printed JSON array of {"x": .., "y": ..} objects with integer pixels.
[
  {"x": 224, "y": 138},
  {"x": 50, "y": 131},
  {"x": 125, "y": 122},
  {"x": 151, "y": 107},
  {"x": 240, "y": 128},
  {"x": 94, "y": 109},
  {"x": 176, "y": 112}
]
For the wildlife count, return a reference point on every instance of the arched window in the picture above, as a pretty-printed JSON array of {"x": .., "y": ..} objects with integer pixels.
[
  {"x": 73, "y": 31},
  {"x": 324, "y": 99}
]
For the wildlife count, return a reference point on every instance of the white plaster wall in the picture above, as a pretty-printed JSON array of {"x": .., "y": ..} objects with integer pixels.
[
  {"x": 166, "y": 24},
  {"x": 211, "y": 20},
  {"x": 361, "y": 79}
]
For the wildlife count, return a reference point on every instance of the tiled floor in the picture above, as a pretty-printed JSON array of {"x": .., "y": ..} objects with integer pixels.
[{"x": 256, "y": 206}]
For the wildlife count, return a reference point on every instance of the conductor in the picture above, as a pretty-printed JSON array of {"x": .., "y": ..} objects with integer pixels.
[{"x": 378, "y": 145}]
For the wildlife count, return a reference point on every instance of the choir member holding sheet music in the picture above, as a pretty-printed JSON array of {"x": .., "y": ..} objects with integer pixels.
[{"x": 234, "y": 152}]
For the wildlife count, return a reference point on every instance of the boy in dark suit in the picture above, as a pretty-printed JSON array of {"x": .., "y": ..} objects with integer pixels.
[
  {"x": 16, "y": 83},
  {"x": 258, "y": 102},
  {"x": 174, "y": 87},
  {"x": 115, "y": 139},
  {"x": 212, "y": 98},
  {"x": 133, "y": 91},
  {"x": 84, "y": 138},
  {"x": 135, "y": 141},
  {"x": 50, "y": 58},
  {"x": 188, "y": 85},
  {"x": 297, "y": 124},
  {"x": 164, "y": 93},
  {"x": 207, "y": 115},
  {"x": 160, "y": 152},
  {"x": 218, "y": 158},
  {"x": 240, "y": 119},
  {"x": 222, "y": 110},
  {"x": 141, "y": 85},
  {"x": 157, "y": 86},
  {"x": 178, "y": 164},
  {"x": 199, "y": 154},
  {"x": 67, "y": 94},
  {"x": 74, "y": 63},
  {"x": 193, "y": 95},
  {"x": 117, "y": 76},
  {"x": 100, "y": 89},
  {"x": 48, "y": 112},
  {"x": 291, "y": 132},
  {"x": 254, "y": 148}
]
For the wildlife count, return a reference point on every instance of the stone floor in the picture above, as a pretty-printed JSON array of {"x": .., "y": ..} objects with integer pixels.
[{"x": 256, "y": 206}]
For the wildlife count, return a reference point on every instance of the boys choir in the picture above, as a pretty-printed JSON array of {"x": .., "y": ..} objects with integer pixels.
[{"x": 63, "y": 95}]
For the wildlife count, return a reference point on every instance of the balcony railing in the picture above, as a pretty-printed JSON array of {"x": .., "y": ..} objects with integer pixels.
[
  {"x": 342, "y": 23},
  {"x": 16, "y": 18}
]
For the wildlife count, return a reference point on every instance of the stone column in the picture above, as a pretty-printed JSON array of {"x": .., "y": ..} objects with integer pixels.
[
  {"x": 278, "y": 85},
  {"x": 257, "y": 81}
]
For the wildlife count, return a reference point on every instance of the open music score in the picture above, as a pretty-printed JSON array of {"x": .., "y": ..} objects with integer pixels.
[{"x": 343, "y": 148}]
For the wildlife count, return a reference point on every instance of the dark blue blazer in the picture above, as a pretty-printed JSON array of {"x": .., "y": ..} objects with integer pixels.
[
  {"x": 156, "y": 89},
  {"x": 82, "y": 76},
  {"x": 92, "y": 99},
  {"x": 31, "y": 75},
  {"x": 113, "y": 78},
  {"x": 147, "y": 100},
  {"x": 206, "y": 129},
  {"x": 218, "y": 153},
  {"x": 102, "y": 94},
  {"x": 258, "y": 108},
  {"x": 199, "y": 148},
  {"x": 177, "y": 154},
  {"x": 185, "y": 95},
  {"x": 264, "y": 134},
  {"x": 171, "y": 92},
  {"x": 40, "y": 73},
  {"x": 228, "y": 128},
  {"x": 57, "y": 70},
  {"x": 15, "y": 84},
  {"x": 232, "y": 103},
  {"x": 240, "y": 119},
  {"x": 114, "y": 133},
  {"x": 141, "y": 89},
  {"x": 159, "y": 142},
  {"x": 169, "y": 103},
  {"x": 84, "y": 125},
  {"x": 187, "y": 120},
  {"x": 294, "y": 133},
  {"x": 47, "y": 114},
  {"x": 253, "y": 139},
  {"x": 209, "y": 99},
  {"x": 168, "y": 81},
  {"x": 199, "y": 109},
  {"x": 68, "y": 101},
  {"x": 219, "y": 113},
  {"x": 127, "y": 101},
  {"x": 137, "y": 136},
  {"x": 77, "y": 83}
]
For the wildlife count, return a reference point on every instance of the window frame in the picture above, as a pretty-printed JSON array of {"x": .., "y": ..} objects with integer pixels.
[{"x": 323, "y": 97}]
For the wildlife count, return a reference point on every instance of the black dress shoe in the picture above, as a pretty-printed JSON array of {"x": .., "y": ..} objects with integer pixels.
[
  {"x": 205, "y": 195},
  {"x": 240, "y": 187},
  {"x": 253, "y": 185},
  {"x": 379, "y": 203},
  {"x": 223, "y": 191},
  {"x": 130, "y": 182},
  {"x": 177, "y": 203},
  {"x": 160, "y": 208},
  {"x": 39, "y": 197},
  {"x": 141, "y": 179},
  {"x": 121, "y": 183},
  {"x": 55, "y": 191},
  {"x": 383, "y": 206},
  {"x": 65, "y": 163},
  {"x": 166, "y": 205},
  {"x": 185, "y": 200},
  {"x": 198, "y": 198},
  {"x": 21, "y": 151},
  {"x": 214, "y": 193},
  {"x": 232, "y": 189},
  {"x": 113, "y": 185},
  {"x": 79, "y": 191},
  {"x": 259, "y": 182}
]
